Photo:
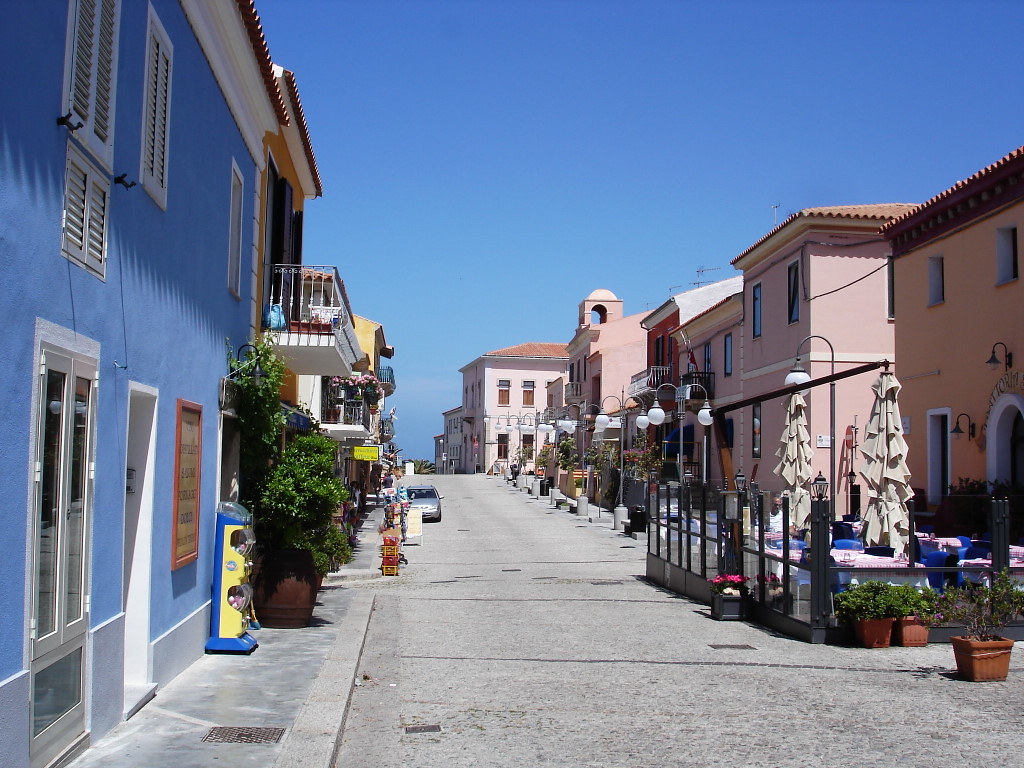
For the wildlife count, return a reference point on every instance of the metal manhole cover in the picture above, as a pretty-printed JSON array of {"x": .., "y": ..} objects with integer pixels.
[
  {"x": 732, "y": 647},
  {"x": 235, "y": 735},
  {"x": 423, "y": 729}
]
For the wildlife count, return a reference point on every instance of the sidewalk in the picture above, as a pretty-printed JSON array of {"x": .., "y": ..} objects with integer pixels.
[{"x": 294, "y": 686}]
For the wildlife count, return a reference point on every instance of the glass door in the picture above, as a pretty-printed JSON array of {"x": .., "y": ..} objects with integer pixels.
[{"x": 60, "y": 568}]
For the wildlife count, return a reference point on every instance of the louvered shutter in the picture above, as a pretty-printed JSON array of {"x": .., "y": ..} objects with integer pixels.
[
  {"x": 86, "y": 198},
  {"x": 92, "y": 68},
  {"x": 157, "y": 104},
  {"x": 74, "y": 210}
]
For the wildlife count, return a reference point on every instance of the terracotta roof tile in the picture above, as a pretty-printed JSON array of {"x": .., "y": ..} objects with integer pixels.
[
  {"x": 988, "y": 170},
  {"x": 293, "y": 94},
  {"x": 251, "y": 19},
  {"x": 881, "y": 212},
  {"x": 532, "y": 349}
]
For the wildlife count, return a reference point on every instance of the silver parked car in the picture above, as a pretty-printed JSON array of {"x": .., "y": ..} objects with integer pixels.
[{"x": 426, "y": 499}]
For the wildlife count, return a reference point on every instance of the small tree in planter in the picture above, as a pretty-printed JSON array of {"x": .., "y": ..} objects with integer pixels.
[
  {"x": 910, "y": 629},
  {"x": 981, "y": 653},
  {"x": 871, "y": 608}
]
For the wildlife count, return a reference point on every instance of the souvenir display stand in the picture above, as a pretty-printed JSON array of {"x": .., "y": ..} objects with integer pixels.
[{"x": 232, "y": 593}]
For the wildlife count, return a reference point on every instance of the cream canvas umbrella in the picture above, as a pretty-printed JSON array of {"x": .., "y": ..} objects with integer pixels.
[
  {"x": 794, "y": 465},
  {"x": 885, "y": 472}
]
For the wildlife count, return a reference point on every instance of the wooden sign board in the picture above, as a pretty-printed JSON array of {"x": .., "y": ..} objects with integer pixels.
[{"x": 188, "y": 460}]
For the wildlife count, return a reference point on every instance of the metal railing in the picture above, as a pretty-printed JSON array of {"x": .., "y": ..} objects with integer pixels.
[
  {"x": 306, "y": 299},
  {"x": 573, "y": 391},
  {"x": 386, "y": 376},
  {"x": 705, "y": 379},
  {"x": 648, "y": 379}
]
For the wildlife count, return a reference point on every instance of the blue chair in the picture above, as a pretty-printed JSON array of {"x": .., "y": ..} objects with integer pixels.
[
  {"x": 843, "y": 531},
  {"x": 964, "y": 541},
  {"x": 982, "y": 544},
  {"x": 797, "y": 544},
  {"x": 938, "y": 580},
  {"x": 848, "y": 544},
  {"x": 880, "y": 551},
  {"x": 974, "y": 553}
]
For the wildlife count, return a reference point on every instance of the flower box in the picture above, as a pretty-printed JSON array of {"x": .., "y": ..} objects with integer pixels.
[{"x": 728, "y": 607}]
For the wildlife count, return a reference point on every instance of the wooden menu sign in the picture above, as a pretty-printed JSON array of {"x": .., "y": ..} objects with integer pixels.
[{"x": 188, "y": 455}]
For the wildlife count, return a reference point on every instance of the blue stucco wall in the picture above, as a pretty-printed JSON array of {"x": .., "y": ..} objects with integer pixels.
[{"x": 163, "y": 309}]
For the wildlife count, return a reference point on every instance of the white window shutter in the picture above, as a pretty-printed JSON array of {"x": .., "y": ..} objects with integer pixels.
[
  {"x": 74, "y": 210},
  {"x": 95, "y": 251},
  {"x": 157, "y": 115},
  {"x": 104, "y": 70},
  {"x": 82, "y": 65}
]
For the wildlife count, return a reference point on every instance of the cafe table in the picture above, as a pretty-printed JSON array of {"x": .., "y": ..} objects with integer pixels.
[{"x": 863, "y": 567}]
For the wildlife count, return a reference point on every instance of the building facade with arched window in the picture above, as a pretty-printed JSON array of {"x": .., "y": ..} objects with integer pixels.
[{"x": 959, "y": 304}]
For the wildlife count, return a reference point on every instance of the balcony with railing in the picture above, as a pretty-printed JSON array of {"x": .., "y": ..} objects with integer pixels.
[
  {"x": 704, "y": 385},
  {"x": 387, "y": 428},
  {"x": 307, "y": 311},
  {"x": 649, "y": 380},
  {"x": 341, "y": 417},
  {"x": 573, "y": 392},
  {"x": 386, "y": 377}
]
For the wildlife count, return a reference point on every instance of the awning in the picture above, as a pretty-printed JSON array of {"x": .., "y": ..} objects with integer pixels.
[{"x": 671, "y": 443}]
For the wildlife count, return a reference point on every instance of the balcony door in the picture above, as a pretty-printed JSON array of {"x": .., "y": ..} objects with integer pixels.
[{"x": 60, "y": 570}]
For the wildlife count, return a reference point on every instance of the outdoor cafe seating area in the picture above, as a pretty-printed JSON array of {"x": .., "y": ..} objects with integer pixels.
[{"x": 697, "y": 531}]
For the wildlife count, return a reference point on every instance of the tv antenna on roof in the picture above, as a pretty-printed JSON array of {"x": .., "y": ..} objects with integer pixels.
[
  {"x": 775, "y": 215},
  {"x": 700, "y": 276}
]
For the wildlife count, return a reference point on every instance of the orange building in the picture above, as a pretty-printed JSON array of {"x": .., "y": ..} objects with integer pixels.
[{"x": 959, "y": 303}]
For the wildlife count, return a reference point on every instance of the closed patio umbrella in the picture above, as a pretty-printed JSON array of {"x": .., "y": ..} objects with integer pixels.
[
  {"x": 885, "y": 472},
  {"x": 794, "y": 465}
]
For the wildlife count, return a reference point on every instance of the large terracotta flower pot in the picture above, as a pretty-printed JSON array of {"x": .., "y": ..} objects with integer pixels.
[
  {"x": 909, "y": 632},
  {"x": 982, "y": 660},
  {"x": 873, "y": 633},
  {"x": 284, "y": 588}
]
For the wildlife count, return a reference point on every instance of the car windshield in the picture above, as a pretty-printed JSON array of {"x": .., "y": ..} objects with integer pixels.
[{"x": 422, "y": 493}]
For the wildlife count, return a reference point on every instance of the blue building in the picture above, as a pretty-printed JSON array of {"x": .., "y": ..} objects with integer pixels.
[{"x": 131, "y": 153}]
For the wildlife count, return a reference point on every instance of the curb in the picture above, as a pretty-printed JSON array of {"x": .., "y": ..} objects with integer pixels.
[{"x": 314, "y": 738}]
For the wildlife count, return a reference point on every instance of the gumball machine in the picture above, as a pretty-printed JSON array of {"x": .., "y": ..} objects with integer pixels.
[{"x": 232, "y": 593}]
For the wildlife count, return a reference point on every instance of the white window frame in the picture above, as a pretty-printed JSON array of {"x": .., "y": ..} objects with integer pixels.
[
  {"x": 86, "y": 217},
  {"x": 90, "y": 74},
  {"x": 1007, "y": 255},
  {"x": 936, "y": 280},
  {"x": 153, "y": 174},
  {"x": 938, "y": 442},
  {"x": 236, "y": 220}
]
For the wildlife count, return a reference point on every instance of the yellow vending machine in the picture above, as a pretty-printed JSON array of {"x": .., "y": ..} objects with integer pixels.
[{"x": 232, "y": 593}]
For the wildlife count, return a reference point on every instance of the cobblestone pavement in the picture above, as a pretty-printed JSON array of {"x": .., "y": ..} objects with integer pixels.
[{"x": 520, "y": 636}]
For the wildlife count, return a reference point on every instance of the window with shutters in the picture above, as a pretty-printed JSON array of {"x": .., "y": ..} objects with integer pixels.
[
  {"x": 156, "y": 111},
  {"x": 91, "y": 69},
  {"x": 504, "y": 386},
  {"x": 86, "y": 213},
  {"x": 235, "y": 233}
]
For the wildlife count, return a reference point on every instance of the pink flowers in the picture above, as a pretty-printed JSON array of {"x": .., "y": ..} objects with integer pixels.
[{"x": 729, "y": 584}]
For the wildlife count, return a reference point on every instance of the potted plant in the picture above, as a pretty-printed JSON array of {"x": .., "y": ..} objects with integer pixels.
[
  {"x": 984, "y": 610},
  {"x": 871, "y": 608},
  {"x": 910, "y": 630},
  {"x": 295, "y": 531},
  {"x": 728, "y": 596}
]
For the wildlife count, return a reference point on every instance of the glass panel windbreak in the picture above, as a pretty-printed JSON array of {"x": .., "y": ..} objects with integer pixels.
[
  {"x": 75, "y": 528},
  {"x": 50, "y": 503},
  {"x": 56, "y": 690}
]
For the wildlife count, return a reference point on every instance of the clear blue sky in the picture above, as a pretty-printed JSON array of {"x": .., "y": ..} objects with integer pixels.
[{"x": 488, "y": 164}]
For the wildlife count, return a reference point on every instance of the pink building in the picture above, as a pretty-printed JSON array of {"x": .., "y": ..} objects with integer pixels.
[
  {"x": 821, "y": 273},
  {"x": 503, "y": 393}
]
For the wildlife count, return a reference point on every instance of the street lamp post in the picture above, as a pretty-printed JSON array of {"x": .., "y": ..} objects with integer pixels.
[
  {"x": 602, "y": 420},
  {"x": 798, "y": 375}
]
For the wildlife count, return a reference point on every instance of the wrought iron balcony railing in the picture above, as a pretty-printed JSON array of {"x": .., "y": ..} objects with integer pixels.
[
  {"x": 704, "y": 382},
  {"x": 649, "y": 379}
]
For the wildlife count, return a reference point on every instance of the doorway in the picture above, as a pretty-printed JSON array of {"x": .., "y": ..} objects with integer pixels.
[{"x": 138, "y": 546}]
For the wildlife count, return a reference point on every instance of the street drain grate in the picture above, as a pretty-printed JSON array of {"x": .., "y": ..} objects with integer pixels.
[
  {"x": 511, "y": 570},
  {"x": 628, "y": 546},
  {"x": 467, "y": 577},
  {"x": 605, "y": 583},
  {"x": 462, "y": 530},
  {"x": 423, "y": 729},
  {"x": 233, "y": 735},
  {"x": 732, "y": 647}
]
